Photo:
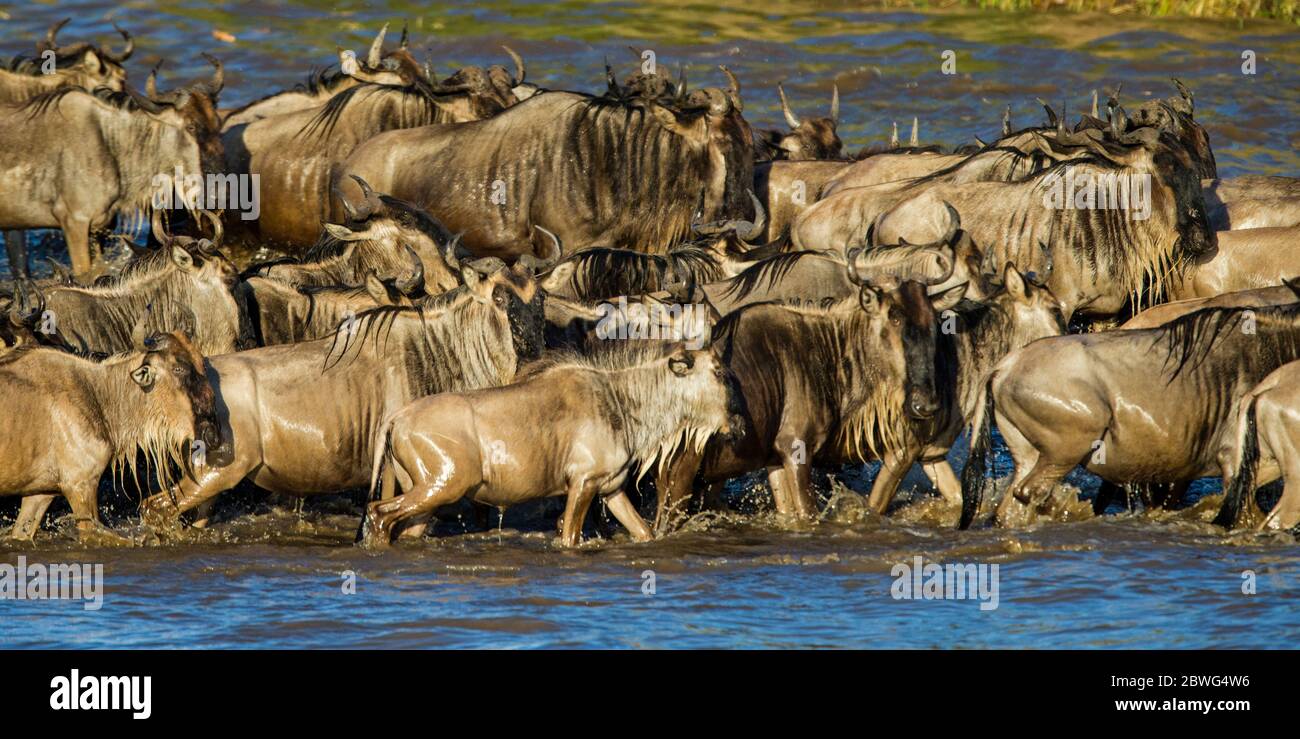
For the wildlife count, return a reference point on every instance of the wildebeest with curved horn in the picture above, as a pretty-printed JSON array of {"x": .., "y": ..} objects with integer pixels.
[
  {"x": 655, "y": 399},
  {"x": 571, "y": 163},
  {"x": 1145, "y": 406},
  {"x": 301, "y": 418},
  {"x": 79, "y": 417},
  {"x": 824, "y": 385},
  {"x": 810, "y": 138},
  {"x": 79, "y": 65}
]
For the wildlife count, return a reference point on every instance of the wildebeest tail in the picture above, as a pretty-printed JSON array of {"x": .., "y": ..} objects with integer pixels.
[
  {"x": 1243, "y": 481},
  {"x": 377, "y": 469},
  {"x": 977, "y": 463}
]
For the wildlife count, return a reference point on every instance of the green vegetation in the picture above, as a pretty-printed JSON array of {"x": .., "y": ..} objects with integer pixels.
[{"x": 1285, "y": 10}]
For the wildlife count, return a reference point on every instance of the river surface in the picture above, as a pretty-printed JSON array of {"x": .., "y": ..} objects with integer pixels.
[{"x": 267, "y": 575}]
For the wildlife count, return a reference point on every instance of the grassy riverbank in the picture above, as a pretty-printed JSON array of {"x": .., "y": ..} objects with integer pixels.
[{"x": 1283, "y": 10}]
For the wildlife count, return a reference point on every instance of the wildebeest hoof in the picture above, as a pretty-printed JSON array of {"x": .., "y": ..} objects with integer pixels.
[{"x": 99, "y": 536}]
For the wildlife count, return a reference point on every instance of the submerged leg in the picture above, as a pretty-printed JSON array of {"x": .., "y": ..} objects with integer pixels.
[
  {"x": 581, "y": 493},
  {"x": 627, "y": 514},
  {"x": 29, "y": 516}
]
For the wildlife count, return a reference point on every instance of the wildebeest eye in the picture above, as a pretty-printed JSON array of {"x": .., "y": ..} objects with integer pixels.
[{"x": 178, "y": 369}]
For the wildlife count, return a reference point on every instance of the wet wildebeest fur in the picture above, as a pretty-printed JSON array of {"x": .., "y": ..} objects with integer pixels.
[
  {"x": 1265, "y": 445},
  {"x": 820, "y": 386},
  {"x": 1158, "y": 315},
  {"x": 1253, "y": 201},
  {"x": 73, "y": 418},
  {"x": 301, "y": 418},
  {"x": 1144, "y": 406},
  {"x": 1245, "y": 260},
  {"x": 284, "y": 314},
  {"x": 571, "y": 164},
  {"x": 611, "y": 417}
]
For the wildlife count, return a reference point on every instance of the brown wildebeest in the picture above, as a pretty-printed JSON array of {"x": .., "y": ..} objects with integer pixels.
[
  {"x": 75, "y": 417},
  {"x": 785, "y": 188},
  {"x": 74, "y": 160},
  {"x": 1253, "y": 201},
  {"x": 1246, "y": 259},
  {"x": 1146, "y": 406},
  {"x": 1265, "y": 445},
  {"x": 824, "y": 385},
  {"x": 571, "y": 163},
  {"x": 612, "y": 417},
  {"x": 581, "y": 326},
  {"x": 814, "y": 277},
  {"x": 296, "y": 154},
  {"x": 186, "y": 281},
  {"x": 721, "y": 250},
  {"x": 75, "y": 65},
  {"x": 301, "y": 418},
  {"x": 974, "y": 336},
  {"x": 284, "y": 314},
  {"x": 375, "y": 238},
  {"x": 1158, "y": 315},
  {"x": 807, "y": 139}
]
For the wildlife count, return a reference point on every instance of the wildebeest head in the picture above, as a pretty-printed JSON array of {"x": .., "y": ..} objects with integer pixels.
[
  {"x": 474, "y": 93},
  {"x": 84, "y": 65},
  {"x": 1176, "y": 187},
  {"x": 194, "y": 108},
  {"x": 904, "y": 318},
  {"x": 517, "y": 303},
  {"x": 390, "y": 225},
  {"x": 1032, "y": 310},
  {"x": 702, "y": 383},
  {"x": 1173, "y": 115},
  {"x": 809, "y": 138},
  {"x": 174, "y": 371},
  {"x": 711, "y": 119}
]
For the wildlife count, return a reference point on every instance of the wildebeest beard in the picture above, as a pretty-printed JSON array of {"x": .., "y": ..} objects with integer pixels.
[{"x": 527, "y": 325}]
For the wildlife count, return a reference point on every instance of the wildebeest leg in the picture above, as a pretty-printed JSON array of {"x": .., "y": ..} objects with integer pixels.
[
  {"x": 1025, "y": 457},
  {"x": 1035, "y": 488},
  {"x": 383, "y": 516},
  {"x": 893, "y": 467},
  {"x": 77, "y": 234},
  {"x": 203, "y": 512},
  {"x": 16, "y": 248},
  {"x": 85, "y": 511},
  {"x": 626, "y": 513},
  {"x": 944, "y": 480},
  {"x": 1277, "y": 441},
  {"x": 29, "y": 517},
  {"x": 1105, "y": 495},
  {"x": 674, "y": 487},
  {"x": 581, "y": 492},
  {"x": 157, "y": 510}
]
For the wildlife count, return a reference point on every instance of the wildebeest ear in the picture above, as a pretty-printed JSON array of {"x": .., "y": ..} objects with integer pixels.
[
  {"x": 342, "y": 233},
  {"x": 181, "y": 257},
  {"x": 143, "y": 375},
  {"x": 375, "y": 288},
  {"x": 1294, "y": 284},
  {"x": 681, "y": 362},
  {"x": 1014, "y": 282},
  {"x": 870, "y": 297},
  {"x": 949, "y": 298},
  {"x": 469, "y": 276}
]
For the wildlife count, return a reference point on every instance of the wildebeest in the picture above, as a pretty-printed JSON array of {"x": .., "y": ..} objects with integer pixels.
[
  {"x": 1146, "y": 406},
  {"x": 975, "y": 336},
  {"x": 283, "y": 314},
  {"x": 295, "y": 155},
  {"x": 186, "y": 280},
  {"x": 611, "y": 417},
  {"x": 810, "y": 138},
  {"x": 785, "y": 188},
  {"x": 74, "y": 160},
  {"x": 1246, "y": 259},
  {"x": 79, "y": 416},
  {"x": 823, "y": 385},
  {"x": 1096, "y": 260},
  {"x": 79, "y": 65},
  {"x": 375, "y": 237},
  {"x": 1253, "y": 201},
  {"x": 301, "y": 418},
  {"x": 1156, "y": 315},
  {"x": 571, "y": 164},
  {"x": 720, "y": 250},
  {"x": 1263, "y": 446}
]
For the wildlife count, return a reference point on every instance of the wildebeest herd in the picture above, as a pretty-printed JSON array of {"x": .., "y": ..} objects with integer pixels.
[{"x": 497, "y": 292}]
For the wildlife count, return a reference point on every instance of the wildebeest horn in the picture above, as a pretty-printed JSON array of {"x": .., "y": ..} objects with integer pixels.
[
  {"x": 51, "y": 36},
  {"x": 954, "y": 223},
  {"x": 217, "y": 229},
  {"x": 1186, "y": 94},
  {"x": 376, "y": 48},
  {"x": 790, "y": 118},
  {"x": 520, "y": 71},
  {"x": 402, "y": 43},
  {"x": 156, "y": 225},
  {"x": 126, "y": 52},
  {"x": 1006, "y": 121},
  {"x": 914, "y": 141},
  {"x": 349, "y": 212},
  {"x": 893, "y": 137},
  {"x": 980, "y": 142},
  {"x": 733, "y": 89},
  {"x": 928, "y": 265},
  {"x": 151, "y": 82},
  {"x": 681, "y": 82},
  {"x": 1095, "y": 113},
  {"x": 449, "y": 254},
  {"x": 372, "y": 200},
  {"x": 745, "y": 230},
  {"x": 1052, "y": 121},
  {"x": 218, "y": 82},
  {"x": 611, "y": 81},
  {"x": 559, "y": 249},
  {"x": 413, "y": 282},
  {"x": 835, "y": 104}
]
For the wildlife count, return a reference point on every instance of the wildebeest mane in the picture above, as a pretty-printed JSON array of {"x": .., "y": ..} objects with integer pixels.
[
  {"x": 124, "y": 100},
  {"x": 1191, "y": 339},
  {"x": 765, "y": 274},
  {"x": 323, "y": 123}
]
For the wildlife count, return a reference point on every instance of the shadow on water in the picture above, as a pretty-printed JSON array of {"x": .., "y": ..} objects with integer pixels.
[{"x": 269, "y": 577}]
